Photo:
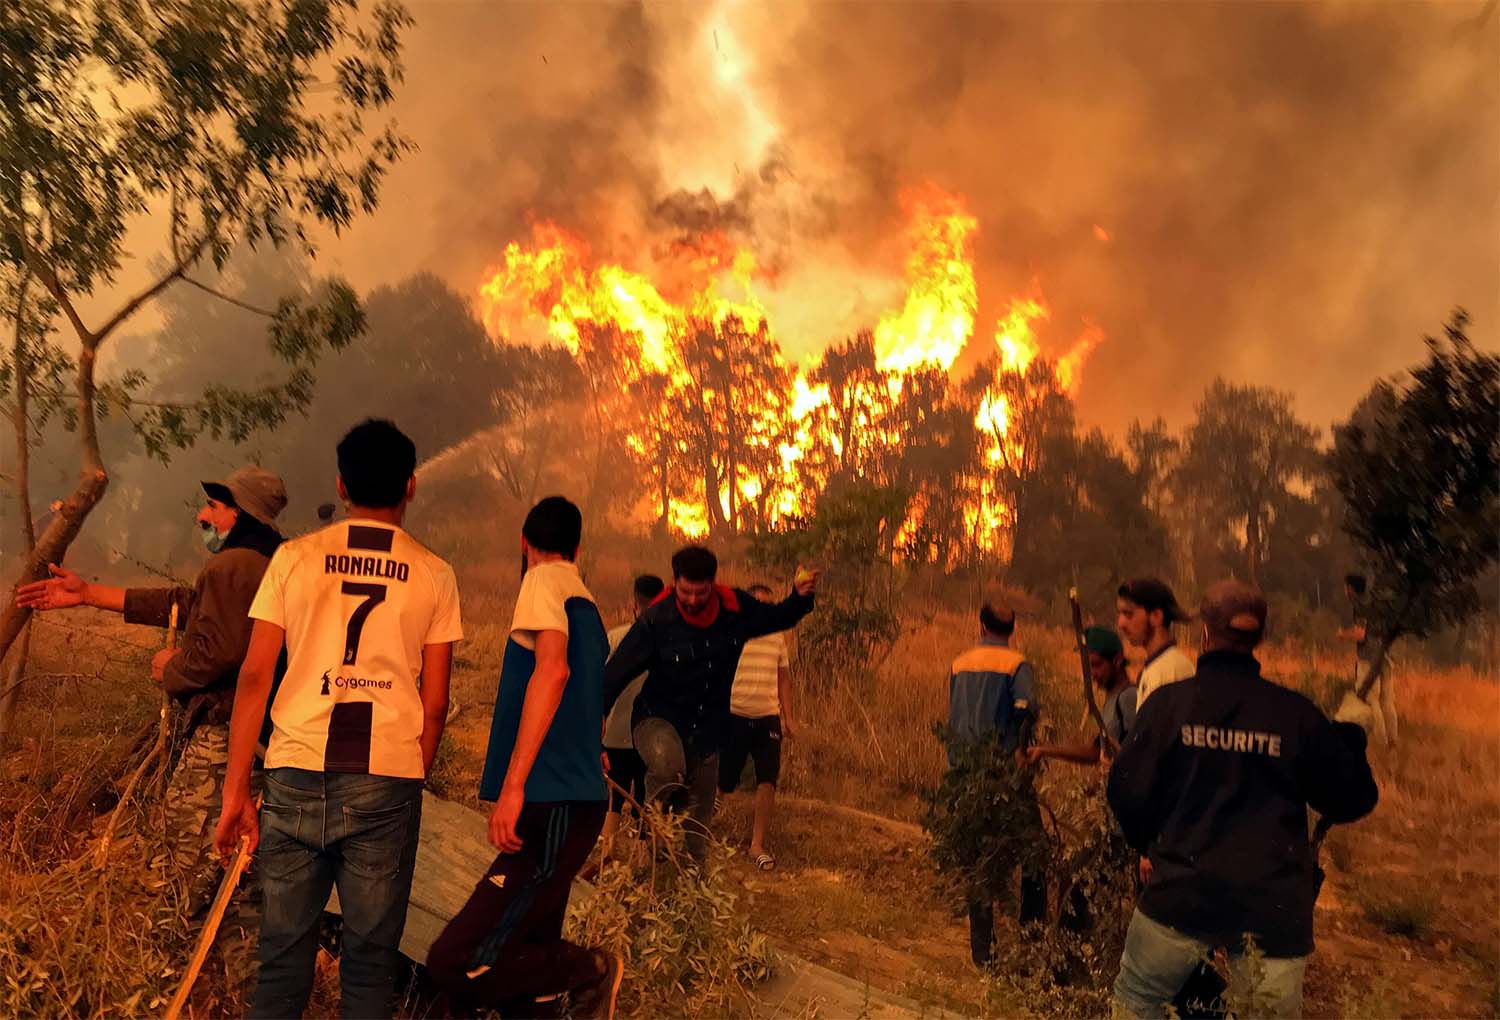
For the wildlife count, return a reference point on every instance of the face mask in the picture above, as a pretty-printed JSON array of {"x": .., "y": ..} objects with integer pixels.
[{"x": 212, "y": 540}]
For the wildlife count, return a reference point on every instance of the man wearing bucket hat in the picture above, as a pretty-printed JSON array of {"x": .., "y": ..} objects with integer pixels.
[
  {"x": 1214, "y": 784},
  {"x": 237, "y": 527}
]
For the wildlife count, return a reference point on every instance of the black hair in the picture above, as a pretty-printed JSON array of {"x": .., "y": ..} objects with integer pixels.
[
  {"x": 376, "y": 461},
  {"x": 999, "y": 622},
  {"x": 554, "y": 525},
  {"x": 1356, "y": 583},
  {"x": 694, "y": 563},
  {"x": 648, "y": 586}
]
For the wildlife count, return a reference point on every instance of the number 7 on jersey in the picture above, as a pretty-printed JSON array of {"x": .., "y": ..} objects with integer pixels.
[{"x": 373, "y": 595}]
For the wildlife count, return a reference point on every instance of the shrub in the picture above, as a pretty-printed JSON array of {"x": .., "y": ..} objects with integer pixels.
[{"x": 687, "y": 943}]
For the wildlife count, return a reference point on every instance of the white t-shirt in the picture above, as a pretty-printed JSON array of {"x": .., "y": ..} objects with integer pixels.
[
  {"x": 617, "y": 732},
  {"x": 358, "y": 601},
  {"x": 755, "y": 694},
  {"x": 1169, "y": 666}
]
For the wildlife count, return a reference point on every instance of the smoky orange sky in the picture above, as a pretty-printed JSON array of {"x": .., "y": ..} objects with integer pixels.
[{"x": 1292, "y": 193}]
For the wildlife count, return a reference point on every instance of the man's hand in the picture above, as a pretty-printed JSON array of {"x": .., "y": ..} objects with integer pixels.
[
  {"x": 1034, "y": 755},
  {"x": 159, "y": 663},
  {"x": 63, "y": 590},
  {"x": 237, "y": 819},
  {"x": 805, "y": 580},
  {"x": 789, "y": 728},
  {"x": 503, "y": 820},
  {"x": 1145, "y": 870}
]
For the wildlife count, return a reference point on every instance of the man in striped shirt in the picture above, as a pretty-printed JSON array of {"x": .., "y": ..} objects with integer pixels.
[{"x": 760, "y": 707}]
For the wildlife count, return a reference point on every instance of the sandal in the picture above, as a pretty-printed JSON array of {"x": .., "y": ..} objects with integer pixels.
[{"x": 765, "y": 862}]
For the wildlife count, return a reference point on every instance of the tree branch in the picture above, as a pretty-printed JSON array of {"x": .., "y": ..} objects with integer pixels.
[
  {"x": 179, "y": 269},
  {"x": 231, "y": 300}
]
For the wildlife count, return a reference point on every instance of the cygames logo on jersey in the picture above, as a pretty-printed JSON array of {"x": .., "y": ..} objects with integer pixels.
[{"x": 352, "y": 683}]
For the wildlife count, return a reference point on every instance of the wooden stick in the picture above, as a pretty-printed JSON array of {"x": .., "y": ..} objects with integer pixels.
[
  {"x": 211, "y": 926},
  {"x": 163, "y": 730}
]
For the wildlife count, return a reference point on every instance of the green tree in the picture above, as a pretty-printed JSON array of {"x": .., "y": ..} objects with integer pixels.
[
  {"x": 1243, "y": 457},
  {"x": 211, "y": 116},
  {"x": 1418, "y": 465}
]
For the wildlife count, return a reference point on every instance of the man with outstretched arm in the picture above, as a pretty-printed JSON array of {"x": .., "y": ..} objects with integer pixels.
[
  {"x": 504, "y": 950},
  {"x": 1214, "y": 783},
  {"x": 689, "y": 643},
  {"x": 369, "y": 618},
  {"x": 237, "y": 526}
]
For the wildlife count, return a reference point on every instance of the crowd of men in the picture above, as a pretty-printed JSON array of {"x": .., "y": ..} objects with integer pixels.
[
  {"x": 1211, "y": 771},
  {"x": 314, "y": 676}
]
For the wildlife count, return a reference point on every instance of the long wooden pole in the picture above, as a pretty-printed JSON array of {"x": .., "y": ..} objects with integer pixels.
[
  {"x": 206, "y": 937},
  {"x": 1088, "y": 680}
]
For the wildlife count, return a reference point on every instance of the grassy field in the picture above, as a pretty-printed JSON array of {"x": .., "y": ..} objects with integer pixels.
[{"x": 1408, "y": 923}]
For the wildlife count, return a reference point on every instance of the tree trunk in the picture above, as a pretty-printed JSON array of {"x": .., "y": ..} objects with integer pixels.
[
  {"x": 68, "y": 520},
  {"x": 663, "y": 481},
  {"x": 50, "y": 547},
  {"x": 10, "y": 687},
  {"x": 1253, "y": 548}
]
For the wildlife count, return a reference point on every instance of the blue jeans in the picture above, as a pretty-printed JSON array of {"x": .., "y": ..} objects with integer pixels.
[
  {"x": 318, "y": 830},
  {"x": 1158, "y": 961}
]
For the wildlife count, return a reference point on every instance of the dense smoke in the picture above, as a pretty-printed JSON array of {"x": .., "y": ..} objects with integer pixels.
[{"x": 1291, "y": 194}]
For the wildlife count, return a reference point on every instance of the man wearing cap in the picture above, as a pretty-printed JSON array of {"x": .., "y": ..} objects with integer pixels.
[
  {"x": 237, "y": 527},
  {"x": 1214, "y": 784},
  {"x": 1146, "y": 610},
  {"x": 1107, "y": 670},
  {"x": 992, "y": 688}
]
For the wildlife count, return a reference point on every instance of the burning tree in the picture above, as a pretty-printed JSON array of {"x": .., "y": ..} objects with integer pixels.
[
  {"x": 205, "y": 113},
  {"x": 684, "y": 373}
]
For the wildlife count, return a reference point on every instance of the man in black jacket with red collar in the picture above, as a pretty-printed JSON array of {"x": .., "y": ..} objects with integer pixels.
[
  {"x": 1213, "y": 784},
  {"x": 688, "y": 643}
]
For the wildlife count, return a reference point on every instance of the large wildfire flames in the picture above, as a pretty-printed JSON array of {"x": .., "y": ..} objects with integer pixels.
[{"x": 665, "y": 330}]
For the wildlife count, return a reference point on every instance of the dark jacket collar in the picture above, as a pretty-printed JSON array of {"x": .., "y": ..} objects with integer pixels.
[
  {"x": 1222, "y": 663},
  {"x": 249, "y": 533}
]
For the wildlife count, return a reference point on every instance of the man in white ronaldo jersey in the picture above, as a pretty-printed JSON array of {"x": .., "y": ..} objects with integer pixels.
[{"x": 369, "y": 618}]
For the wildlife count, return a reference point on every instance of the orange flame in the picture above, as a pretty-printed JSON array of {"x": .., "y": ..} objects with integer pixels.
[
  {"x": 554, "y": 284},
  {"x": 938, "y": 316}
]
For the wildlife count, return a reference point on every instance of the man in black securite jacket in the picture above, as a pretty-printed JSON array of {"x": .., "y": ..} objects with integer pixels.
[
  {"x": 1213, "y": 785},
  {"x": 688, "y": 643}
]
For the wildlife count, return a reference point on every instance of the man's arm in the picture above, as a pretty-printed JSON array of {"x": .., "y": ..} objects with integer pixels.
[
  {"x": 253, "y": 688},
  {"x": 544, "y": 692},
  {"x": 784, "y": 700},
  {"x": 1335, "y": 773},
  {"x": 635, "y": 655},
  {"x": 761, "y": 618},
  {"x": 65, "y": 589},
  {"x": 437, "y": 667},
  {"x": 218, "y": 630},
  {"x": 1024, "y": 704},
  {"x": 1079, "y": 754}
]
